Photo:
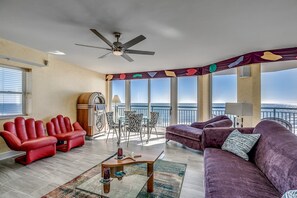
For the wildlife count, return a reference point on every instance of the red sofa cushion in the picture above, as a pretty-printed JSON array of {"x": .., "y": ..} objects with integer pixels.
[
  {"x": 38, "y": 143},
  {"x": 70, "y": 135}
]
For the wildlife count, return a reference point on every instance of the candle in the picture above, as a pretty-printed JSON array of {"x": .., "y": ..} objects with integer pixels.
[
  {"x": 106, "y": 173},
  {"x": 120, "y": 153}
]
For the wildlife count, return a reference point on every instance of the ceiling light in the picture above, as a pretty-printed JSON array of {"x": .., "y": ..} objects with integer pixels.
[
  {"x": 57, "y": 52},
  {"x": 117, "y": 52}
]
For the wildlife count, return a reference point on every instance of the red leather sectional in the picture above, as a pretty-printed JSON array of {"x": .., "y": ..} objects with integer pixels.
[
  {"x": 29, "y": 136},
  {"x": 60, "y": 128}
]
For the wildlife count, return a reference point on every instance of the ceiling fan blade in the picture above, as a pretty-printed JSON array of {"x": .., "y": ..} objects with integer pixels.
[
  {"x": 92, "y": 46},
  {"x": 134, "y": 41},
  {"x": 128, "y": 58},
  {"x": 128, "y": 51},
  {"x": 102, "y": 37},
  {"x": 103, "y": 56}
]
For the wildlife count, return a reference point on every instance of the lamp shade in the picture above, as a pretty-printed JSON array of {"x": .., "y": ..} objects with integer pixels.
[
  {"x": 116, "y": 99},
  {"x": 239, "y": 109}
]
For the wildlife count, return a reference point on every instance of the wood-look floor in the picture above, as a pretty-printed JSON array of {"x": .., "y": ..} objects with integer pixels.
[{"x": 45, "y": 175}]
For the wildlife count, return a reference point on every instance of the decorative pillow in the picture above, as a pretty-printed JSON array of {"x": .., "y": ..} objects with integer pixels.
[
  {"x": 240, "y": 144},
  {"x": 290, "y": 194}
]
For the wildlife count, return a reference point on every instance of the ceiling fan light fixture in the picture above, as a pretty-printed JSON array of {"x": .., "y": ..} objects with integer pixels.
[
  {"x": 117, "y": 48},
  {"x": 117, "y": 52}
]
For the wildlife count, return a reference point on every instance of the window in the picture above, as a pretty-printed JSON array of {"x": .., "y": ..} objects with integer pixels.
[
  {"x": 139, "y": 96},
  {"x": 12, "y": 91},
  {"x": 224, "y": 89},
  {"x": 278, "y": 92},
  {"x": 187, "y": 99},
  {"x": 118, "y": 88},
  {"x": 160, "y": 100}
]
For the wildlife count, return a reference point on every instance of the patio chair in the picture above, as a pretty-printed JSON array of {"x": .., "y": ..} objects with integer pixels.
[
  {"x": 111, "y": 124},
  {"x": 135, "y": 121},
  {"x": 152, "y": 123},
  {"x": 127, "y": 114}
]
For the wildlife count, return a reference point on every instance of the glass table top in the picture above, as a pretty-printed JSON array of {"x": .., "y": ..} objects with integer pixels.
[{"x": 128, "y": 186}]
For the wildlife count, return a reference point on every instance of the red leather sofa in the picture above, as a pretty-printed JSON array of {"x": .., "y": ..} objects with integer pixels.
[
  {"x": 29, "y": 136},
  {"x": 60, "y": 128}
]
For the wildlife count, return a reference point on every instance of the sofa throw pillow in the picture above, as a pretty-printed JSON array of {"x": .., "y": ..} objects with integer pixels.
[
  {"x": 290, "y": 194},
  {"x": 240, "y": 144}
]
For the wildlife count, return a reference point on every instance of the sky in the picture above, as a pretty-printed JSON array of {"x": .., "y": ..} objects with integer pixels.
[
  {"x": 224, "y": 88},
  {"x": 278, "y": 87}
]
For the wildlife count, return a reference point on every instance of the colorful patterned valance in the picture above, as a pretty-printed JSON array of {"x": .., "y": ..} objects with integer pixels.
[{"x": 246, "y": 59}]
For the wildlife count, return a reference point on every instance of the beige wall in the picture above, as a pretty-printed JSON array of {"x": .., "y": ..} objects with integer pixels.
[
  {"x": 204, "y": 97},
  {"x": 249, "y": 90},
  {"x": 55, "y": 88}
]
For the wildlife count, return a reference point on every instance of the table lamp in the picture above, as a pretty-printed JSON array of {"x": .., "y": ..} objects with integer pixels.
[
  {"x": 239, "y": 109},
  {"x": 116, "y": 100}
]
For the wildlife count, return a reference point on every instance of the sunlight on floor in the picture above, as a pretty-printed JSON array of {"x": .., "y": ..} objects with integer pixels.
[{"x": 135, "y": 138}]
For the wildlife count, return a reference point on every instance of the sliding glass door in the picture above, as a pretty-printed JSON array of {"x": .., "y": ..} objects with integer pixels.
[
  {"x": 278, "y": 93},
  {"x": 224, "y": 89},
  {"x": 187, "y": 100},
  {"x": 139, "y": 96},
  {"x": 160, "y": 99}
]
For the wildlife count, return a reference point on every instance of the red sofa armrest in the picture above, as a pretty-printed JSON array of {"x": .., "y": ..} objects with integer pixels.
[
  {"x": 215, "y": 137},
  {"x": 77, "y": 127},
  {"x": 12, "y": 141}
]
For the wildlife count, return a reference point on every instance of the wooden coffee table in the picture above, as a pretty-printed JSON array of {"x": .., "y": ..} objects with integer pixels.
[{"x": 149, "y": 158}]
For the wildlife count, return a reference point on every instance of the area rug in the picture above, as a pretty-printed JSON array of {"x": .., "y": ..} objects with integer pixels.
[{"x": 168, "y": 180}]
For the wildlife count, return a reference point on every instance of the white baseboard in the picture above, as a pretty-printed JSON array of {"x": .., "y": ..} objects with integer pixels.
[{"x": 10, "y": 154}]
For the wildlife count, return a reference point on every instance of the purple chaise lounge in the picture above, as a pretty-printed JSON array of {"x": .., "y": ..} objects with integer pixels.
[
  {"x": 271, "y": 171},
  {"x": 190, "y": 136}
]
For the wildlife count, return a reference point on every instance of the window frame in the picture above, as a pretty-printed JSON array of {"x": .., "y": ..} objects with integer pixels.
[{"x": 23, "y": 92}]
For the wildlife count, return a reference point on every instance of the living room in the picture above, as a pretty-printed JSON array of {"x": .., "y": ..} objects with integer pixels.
[{"x": 204, "y": 68}]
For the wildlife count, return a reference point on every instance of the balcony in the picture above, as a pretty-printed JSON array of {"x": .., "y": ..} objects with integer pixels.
[{"x": 188, "y": 114}]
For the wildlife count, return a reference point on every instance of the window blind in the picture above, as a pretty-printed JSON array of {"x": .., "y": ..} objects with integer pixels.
[{"x": 12, "y": 91}]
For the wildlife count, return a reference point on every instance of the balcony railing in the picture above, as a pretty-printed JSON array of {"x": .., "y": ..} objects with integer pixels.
[
  {"x": 188, "y": 114},
  {"x": 288, "y": 114}
]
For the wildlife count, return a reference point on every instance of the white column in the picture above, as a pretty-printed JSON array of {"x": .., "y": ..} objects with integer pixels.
[
  {"x": 204, "y": 97},
  {"x": 197, "y": 115},
  {"x": 149, "y": 97},
  {"x": 127, "y": 95},
  {"x": 173, "y": 100},
  {"x": 249, "y": 90},
  {"x": 108, "y": 95}
]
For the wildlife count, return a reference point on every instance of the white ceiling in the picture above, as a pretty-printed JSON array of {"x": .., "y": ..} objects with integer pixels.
[{"x": 183, "y": 34}]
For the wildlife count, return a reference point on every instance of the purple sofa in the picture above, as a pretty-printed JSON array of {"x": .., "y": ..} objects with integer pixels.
[
  {"x": 190, "y": 136},
  {"x": 271, "y": 171}
]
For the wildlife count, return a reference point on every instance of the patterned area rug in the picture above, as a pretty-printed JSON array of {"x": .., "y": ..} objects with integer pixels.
[{"x": 168, "y": 180}]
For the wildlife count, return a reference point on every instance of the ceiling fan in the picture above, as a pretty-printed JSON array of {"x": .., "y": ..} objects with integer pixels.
[{"x": 117, "y": 48}]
